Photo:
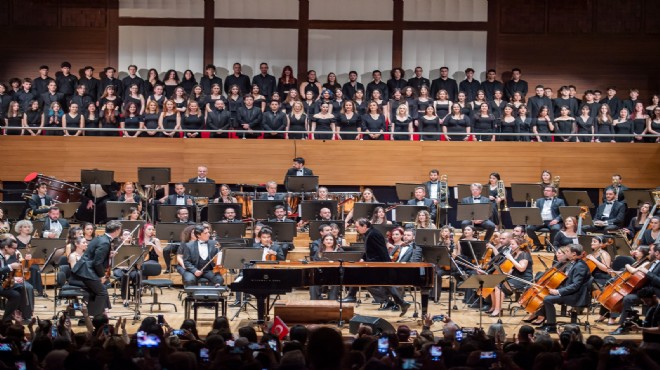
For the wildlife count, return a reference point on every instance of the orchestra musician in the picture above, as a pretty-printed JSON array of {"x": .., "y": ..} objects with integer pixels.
[
  {"x": 652, "y": 234},
  {"x": 229, "y": 216},
  {"x": 603, "y": 261},
  {"x": 20, "y": 294},
  {"x": 367, "y": 196},
  {"x": 469, "y": 233},
  {"x": 24, "y": 230},
  {"x": 568, "y": 233},
  {"x": 270, "y": 247},
  {"x": 433, "y": 189},
  {"x": 562, "y": 255},
  {"x": 521, "y": 259},
  {"x": 126, "y": 279},
  {"x": 341, "y": 241},
  {"x": 493, "y": 194},
  {"x": 78, "y": 249},
  {"x": 549, "y": 206},
  {"x": 40, "y": 202},
  {"x": 420, "y": 199},
  {"x": 477, "y": 198},
  {"x": 53, "y": 226},
  {"x": 325, "y": 214},
  {"x": 322, "y": 194},
  {"x": 280, "y": 214},
  {"x": 328, "y": 244},
  {"x": 130, "y": 196},
  {"x": 133, "y": 214},
  {"x": 298, "y": 169},
  {"x": 574, "y": 292},
  {"x": 394, "y": 242},
  {"x": 91, "y": 268},
  {"x": 202, "y": 171},
  {"x": 447, "y": 241},
  {"x": 546, "y": 178},
  {"x": 197, "y": 257},
  {"x": 271, "y": 192},
  {"x": 653, "y": 280},
  {"x": 225, "y": 195},
  {"x": 423, "y": 220},
  {"x": 97, "y": 196},
  {"x": 315, "y": 246},
  {"x": 380, "y": 217},
  {"x": 637, "y": 222},
  {"x": 182, "y": 215},
  {"x": 375, "y": 250},
  {"x": 409, "y": 251},
  {"x": 617, "y": 187},
  {"x": 179, "y": 198},
  {"x": 609, "y": 215}
]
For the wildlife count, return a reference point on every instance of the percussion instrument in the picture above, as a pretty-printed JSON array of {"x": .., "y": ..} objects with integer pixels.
[{"x": 60, "y": 191}]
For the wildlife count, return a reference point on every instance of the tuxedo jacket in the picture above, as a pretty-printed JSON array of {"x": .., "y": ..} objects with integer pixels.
[
  {"x": 428, "y": 203},
  {"x": 617, "y": 213},
  {"x": 278, "y": 196},
  {"x": 293, "y": 172},
  {"x": 653, "y": 278},
  {"x": 63, "y": 222},
  {"x": 483, "y": 200},
  {"x": 192, "y": 260},
  {"x": 412, "y": 254},
  {"x": 574, "y": 291},
  {"x": 171, "y": 199},
  {"x": 218, "y": 119},
  {"x": 427, "y": 185},
  {"x": 554, "y": 208},
  {"x": 375, "y": 247},
  {"x": 96, "y": 259},
  {"x": 276, "y": 247},
  {"x": 622, "y": 190},
  {"x": 208, "y": 181},
  {"x": 34, "y": 203}
]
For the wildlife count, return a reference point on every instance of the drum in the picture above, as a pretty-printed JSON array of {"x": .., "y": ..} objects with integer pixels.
[
  {"x": 60, "y": 191},
  {"x": 246, "y": 202}
]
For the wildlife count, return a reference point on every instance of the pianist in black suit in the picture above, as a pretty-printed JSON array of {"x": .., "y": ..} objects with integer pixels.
[
  {"x": 477, "y": 198},
  {"x": 196, "y": 257},
  {"x": 298, "y": 169},
  {"x": 202, "y": 171},
  {"x": 40, "y": 202},
  {"x": 375, "y": 250},
  {"x": 271, "y": 192},
  {"x": 421, "y": 200},
  {"x": 609, "y": 215}
]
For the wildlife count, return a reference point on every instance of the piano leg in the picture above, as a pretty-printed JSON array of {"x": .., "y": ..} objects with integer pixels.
[
  {"x": 262, "y": 304},
  {"x": 425, "y": 301}
]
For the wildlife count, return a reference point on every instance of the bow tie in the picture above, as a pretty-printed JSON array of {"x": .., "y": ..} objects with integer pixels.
[
  {"x": 180, "y": 196},
  {"x": 476, "y": 198},
  {"x": 202, "y": 244},
  {"x": 201, "y": 180},
  {"x": 550, "y": 199},
  {"x": 610, "y": 203},
  {"x": 53, "y": 221}
]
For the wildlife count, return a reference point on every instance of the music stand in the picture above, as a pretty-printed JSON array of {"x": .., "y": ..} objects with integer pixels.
[
  {"x": 464, "y": 191},
  {"x": 99, "y": 177},
  {"x": 636, "y": 197},
  {"x": 126, "y": 256},
  {"x": 229, "y": 229},
  {"x": 440, "y": 257},
  {"x": 153, "y": 176},
  {"x": 405, "y": 213},
  {"x": 216, "y": 211},
  {"x": 354, "y": 247},
  {"x": 167, "y": 212},
  {"x": 13, "y": 209},
  {"x": 406, "y": 191},
  {"x": 237, "y": 258},
  {"x": 480, "y": 282},
  {"x": 574, "y": 211},
  {"x": 118, "y": 210},
  {"x": 170, "y": 231},
  {"x": 480, "y": 211},
  {"x": 200, "y": 189},
  {"x": 310, "y": 208},
  {"x": 343, "y": 256},
  {"x": 577, "y": 198},
  {"x": 265, "y": 209},
  {"x": 427, "y": 237},
  {"x": 365, "y": 210},
  {"x": 526, "y": 216},
  {"x": 301, "y": 184},
  {"x": 526, "y": 193},
  {"x": 476, "y": 248},
  {"x": 282, "y": 231},
  {"x": 383, "y": 228},
  {"x": 314, "y": 232},
  {"x": 68, "y": 210}
]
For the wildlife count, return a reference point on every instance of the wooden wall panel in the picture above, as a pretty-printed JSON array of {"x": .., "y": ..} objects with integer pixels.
[
  {"x": 581, "y": 20},
  {"x": 337, "y": 163},
  {"x": 619, "y": 16},
  {"x": 522, "y": 16},
  {"x": 42, "y": 13}
]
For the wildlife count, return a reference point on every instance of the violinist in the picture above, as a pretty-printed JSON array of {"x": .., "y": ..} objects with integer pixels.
[
  {"x": 409, "y": 251},
  {"x": 652, "y": 234},
  {"x": 19, "y": 293},
  {"x": 573, "y": 292},
  {"x": 341, "y": 241},
  {"x": 568, "y": 233},
  {"x": 127, "y": 279},
  {"x": 637, "y": 222},
  {"x": 521, "y": 260},
  {"x": 24, "y": 230},
  {"x": 394, "y": 243},
  {"x": 270, "y": 248},
  {"x": 447, "y": 241},
  {"x": 601, "y": 273},
  {"x": 328, "y": 244},
  {"x": 78, "y": 249}
]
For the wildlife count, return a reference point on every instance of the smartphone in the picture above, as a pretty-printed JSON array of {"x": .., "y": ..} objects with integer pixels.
[
  {"x": 106, "y": 330},
  {"x": 5, "y": 347},
  {"x": 409, "y": 364},
  {"x": 255, "y": 346},
  {"x": 177, "y": 332},
  {"x": 204, "y": 354},
  {"x": 383, "y": 344},
  {"x": 413, "y": 334},
  {"x": 229, "y": 343},
  {"x": 459, "y": 335},
  {"x": 20, "y": 365},
  {"x": 77, "y": 306},
  {"x": 53, "y": 331},
  {"x": 145, "y": 340},
  {"x": 273, "y": 345},
  {"x": 437, "y": 318},
  {"x": 619, "y": 351},
  {"x": 436, "y": 353},
  {"x": 161, "y": 320},
  {"x": 488, "y": 355}
]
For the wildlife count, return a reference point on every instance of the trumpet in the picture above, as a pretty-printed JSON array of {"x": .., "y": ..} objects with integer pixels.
[{"x": 555, "y": 182}]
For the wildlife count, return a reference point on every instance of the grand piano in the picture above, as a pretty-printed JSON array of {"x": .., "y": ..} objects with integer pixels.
[{"x": 263, "y": 279}]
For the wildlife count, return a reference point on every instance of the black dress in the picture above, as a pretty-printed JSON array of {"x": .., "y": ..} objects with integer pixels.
[
  {"x": 103, "y": 101},
  {"x": 160, "y": 101},
  {"x": 526, "y": 275},
  {"x": 233, "y": 105},
  {"x": 130, "y": 99},
  {"x": 132, "y": 123},
  {"x": 297, "y": 124},
  {"x": 562, "y": 240},
  {"x": 33, "y": 118},
  {"x": 604, "y": 128},
  {"x": 483, "y": 125},
  {"x": 584, "y": 127},
  {"x": 639, "y": 125},
  {"x": 373, "y": 126},
  {"x": 456, "y": 125},
  {"x": 106, "y": 123},
  {"x": 564, "y": 128},
  {"x": 192, "y": 123},
  {"x": 508, "y": 127},
  {"x": 524, "y": 126},
  {"x": 349, "y": 124},
  {"x": 361, "y": 107},
  {"x": 72, "y": 122},
  {"x": 14, "y": 125},
  {"x": 542, "y": 127},
  {"x": 151, "y": 123},
  {"x": 442, "y": 109},
  {"x": 169, "y": 123},
  {"x": 53, "y": 121},
  {"x": 429, "y": 125},
  {"x": 401, "y": 126},
  {"x": 625, "y": 127},
  {"x": 422, "y": 105},
  {"x": 323, "y": 125},
  {"x": 92, "y": 123}
]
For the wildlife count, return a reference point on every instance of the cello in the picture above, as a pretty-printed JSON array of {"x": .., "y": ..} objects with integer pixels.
[
  {"x": 612, "y": 295},
  {"x": 532, "y": 299}
]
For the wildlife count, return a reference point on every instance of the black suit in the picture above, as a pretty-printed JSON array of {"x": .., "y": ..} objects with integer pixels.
[
  {"x": 47, "y": 224},
  {"x": 554, "y": 229},
  {"x": 251, "y": 117},
  {"x": 218, "y": 120},
  {"x": 574, "y": 292},
  {"x": 349, "y": 90},
  {"x": 16, "y": 296},
  {"x": 35, "y": 202},
  {"x": 267, "y": 84},
  {"x": 193, "y": 262},
  {"x": 622, "y": 189},
  {"x": 275, "y": 122},
  {"x": 487, "y": 225},
  {"x": 614, "y": 220},
  {"x": 196, "y": 180},
  {"x": 91, "y": 268},
  {"x": 375, "y": 250},
  {"x": 428, "y": 203},
  {"x": 294, "y": 172},
  {"x": 278, "y": 196},
  {"x": 448, "y": 84},
  {"x": 101, "y": 212},
  {"x": 171, "y": 200},
  {"x": 417, "y": 83},
  {"x": 653, "y": 280},
  {"x": 412, "y": 254}
]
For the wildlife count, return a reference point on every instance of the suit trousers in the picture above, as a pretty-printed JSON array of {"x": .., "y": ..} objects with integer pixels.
[
  {"x": 190, "y": 279},
  {"x": 628, "y": 302},
  {"x": 13, "y": 302},
  {"x": 381, "y": 293},
  {"x": 487, "y": 225},
  {"x": 531, "y": 231},
  {"x": 549, "y": 307},
  {"x": 98, "y": 297}
]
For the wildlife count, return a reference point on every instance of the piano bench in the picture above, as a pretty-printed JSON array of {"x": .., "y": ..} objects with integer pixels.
[{"x": 195, "y": 301}]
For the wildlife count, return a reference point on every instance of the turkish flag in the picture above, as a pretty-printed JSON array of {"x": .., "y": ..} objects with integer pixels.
[{"x": 279, "y": 328}]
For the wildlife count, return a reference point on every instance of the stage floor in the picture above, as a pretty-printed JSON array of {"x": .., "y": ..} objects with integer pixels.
[{"x": 464, "y": 316}]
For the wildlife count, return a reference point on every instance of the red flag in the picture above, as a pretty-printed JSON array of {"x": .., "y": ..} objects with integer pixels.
[{"x": 279, "y": 328}]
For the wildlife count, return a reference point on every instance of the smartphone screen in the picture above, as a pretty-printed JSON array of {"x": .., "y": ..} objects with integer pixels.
[
  {"x": 436, "y": 353},
  {"x": 409, "y": 364},
  {"x": 20, "y": 365},
  {"x": 53, "y": 331},
  {"x": 161, "y": 320},
  {"x": 459, "y": 335},
  {"x": 272, "y": 344},
  {"x": 619, "y": 351},
  {"x": 204, "y": 354},
  {"x": 383, "y": 344},
  {"x": 5, "y": 347},
  {"x": 488, "y": 355}
]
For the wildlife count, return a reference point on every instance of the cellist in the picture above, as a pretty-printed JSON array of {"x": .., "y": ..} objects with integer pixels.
[
  {"x": 601, "y": 274},
  {"x": 562, "y": 253}
]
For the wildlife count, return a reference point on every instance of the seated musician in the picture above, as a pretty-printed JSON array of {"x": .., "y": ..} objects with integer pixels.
[
  {"x": 323, "y": 194},
  {"x": 133, "y": 214},
  {"x": 394, "y": 242},
  {"x": 20, "y": 292},
  {"x": 573, "y": 292},
  {"x": 477, "y": 198},
  {"x": 79, "y": 248},
  {"x": 272, "y": 250},
  {"x": 375, "y": 250},
  {"x": 518, "y": 231},
  {"x": 54, "y": 225},
  {"x": 561, "y": 264},
  {"x": 202, "y": 172},
  {"x": 130, "y": 196},
  {"x": 617, "y": 187},
  {"x": 341, "y": 241},
  {"x": 271, "y": 192},
  {"x": 280, "y": 215},
  {"x": 230, "y": 216},
  {"x": 423, "y": 220},
  {"x": 601, "y": 274},
  {"x": 652, "y": 234},
  {"x": 568, "y": 233},
  {"x": 409, "y": 251},
  {"x": 198, "y": 259},
  {"x": 179, "y": 198},
  {"x": 469, "y": 233},
  {"x": 96, "y": 196},
  {"x": 39, "y": 203},
  {"x": 187, "y": 236},
  {"x": 366, "y": 197},
  {"x": 609, "y": 215},
  {"x": 549, "y": 206},
  {"x": 4, "y": 223},
  {"x": 380, "y": 217},
  {"x": 648, "y": 297},
  {"x": 182, "y": 215},
  {"x": 521, "y": 259},
  {"x": 225, "y": 195},
  {"x": 298, "y": 169},
  {"x": 127, "y": 280},
  {"x": 652, "y": 273},
  {"x": 637, "y": 222},
  {"x": 328, "y": 244},
  {"x": 420, "y": 199},
  {"x": 324, "y": 214},
  {"x": 315, "y": 246},
  {"x": 24, "y": 230}
]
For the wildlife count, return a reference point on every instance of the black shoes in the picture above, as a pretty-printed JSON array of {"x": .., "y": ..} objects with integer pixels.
[
  {"x": 349, "y": 300},
  {"x": 404, "y": 308},
  {"x": 620, "y": 331},
  {"x": 386, "y": 306}
]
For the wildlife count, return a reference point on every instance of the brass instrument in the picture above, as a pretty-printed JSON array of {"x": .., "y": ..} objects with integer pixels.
[
  {"x": 30, "y": 215},
  {"x": 443, "y": 192},
  {"x": 501, "y": 193},
  {"x": 617, "y": 186},
  {"x": 555, "y": 182}
]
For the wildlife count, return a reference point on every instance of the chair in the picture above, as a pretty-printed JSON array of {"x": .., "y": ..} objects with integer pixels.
[
  {"x": 620, "y": 262},
  {"x": 67, "y": 288},
  {"x": 154, "y": 269}
]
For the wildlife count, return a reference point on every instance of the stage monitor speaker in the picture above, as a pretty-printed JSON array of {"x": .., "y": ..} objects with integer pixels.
[{"x": 377, "y": 324}]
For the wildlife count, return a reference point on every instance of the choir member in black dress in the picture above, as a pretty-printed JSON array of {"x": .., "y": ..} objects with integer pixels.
[
  {"x": 26, "y": 95},
  {"x": 396, "y": 81},
  {"x": 337, "y": 103},
  {"x": 445, "y": 83},
  {"x": 197, "y": 95},
  {"x": 180, "y": 99},
  {"x": 216, "y": 94},
  {"x": 188, "y": 81},
  {"x": 312, "y": 84},
  {"x": 423, "y": 101},
  {"x": 209, "y": 79},
  {"x": 66, "y": 82},
  {"x": 653, "y": 125},
  {"x": 239, "y": 79},
  {"x": 53, "y": 118},
  {"x": 249, "y": 118},
  {"x": 108, "y": 79},
  {"x": 81, "y": 98},
  {"x": 639, "y": 118},
  {"x": 109, "y": 119},
  {"x": 170, "y": 120},
  {"x": 508, "y": 124},
  {"x": 566, "y": 100},
  {"x": 291, "y": 97},
  {"x": 274, "y": 122},
  {"x": 326, "y": 98},
  {"x": 324, "y": 121},
  {"x": 158, "y": 96},
  {"x": 410, "y": 96},
  {"x": 496, "y": 106},
  {"x": 13, "y": 121},
  {"x": 219, "y": 119},
  {"x": 637, "y": 222},
  {"x": 286, "y": 81},
  {"x": 92, "y": 120},
  {"x": 624, "y": 126},
  {"x": 234, "y": 103},
  {"x": 193, "y": 119},
  {"x": 517, "y": 101},
  {"x": 442, "y": 104},
  {"x": 131, "y": 120},
  {"x": 260, "y": 101},
  {"x": 429, "y": 122},
  {"x": 515, "y": 84},
  {"x": 349, "y": 120},
  {"x": 419, "y": 80},
  {"x": 490, "y": 85},
  {"x": 585, "y": 125},
  {"x": 373, "y": 122},
  {"x": 456, "y": 122},
  {"x": 133, "y": 96},
  {"x": 378, "y": 85},
  {"x": 604, "y": 124},
  {"x": 331, "y": 83},
  {"x": 565, "y": 125},
  {"x": 360, "y": 102},
  {"x": 151, "y": 119},
  {"x": 655, "y": 101},
  {"x": 393, "y": 104},
  {"x": 483, "y": 122},
  {"x": 73, "y": 119},
  {"x": 267, "y": 84},
  {"x": 297, "y": 121},
  {"x": 309, "y": 103},
  {"x": 352, "y": 85},
  {"x": 132, "y": 79},
  {"x": 109, "y": 95},
  {"x": 475, "y": 105},
  {"x": 469, "y": 86},
  {"x": 542, "y": 124},
  {"x": 400, "y": 123},
  {"x": 51, "y": 96}
]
